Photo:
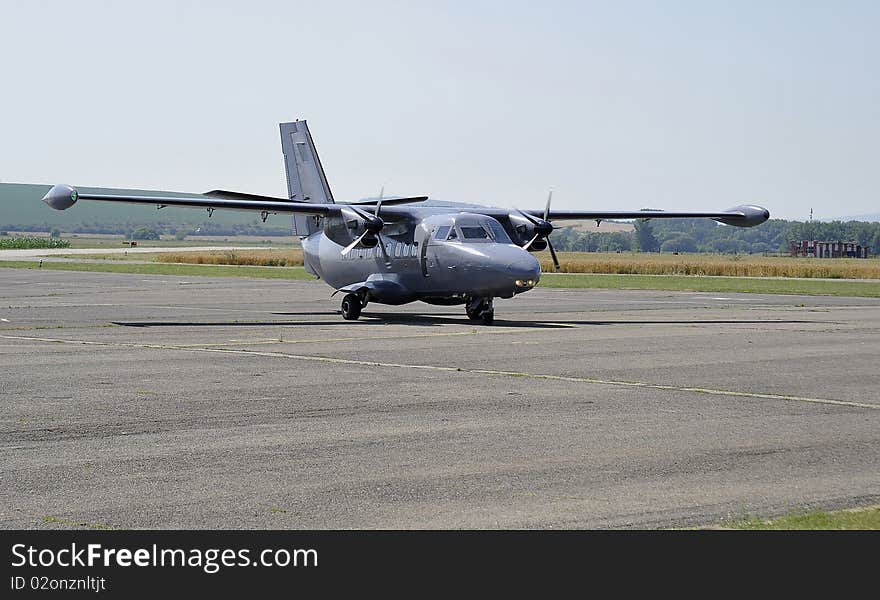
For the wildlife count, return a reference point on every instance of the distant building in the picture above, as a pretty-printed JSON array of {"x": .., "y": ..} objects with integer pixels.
[{"x": 816, "y": 249}]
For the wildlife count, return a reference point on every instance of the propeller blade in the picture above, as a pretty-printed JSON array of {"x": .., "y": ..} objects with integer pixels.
[
  {"x": 361, "y": 213},
  {"x": 379, "y": 203},
  {"x": 553, "y": 255},
  {"x": 530, "y": 218},
  {"x": 354, "y": 244},
  {"x": 547, "y": 208},
  {"x": 384, "y": 251},
  {"x": 530, "y": 242}
]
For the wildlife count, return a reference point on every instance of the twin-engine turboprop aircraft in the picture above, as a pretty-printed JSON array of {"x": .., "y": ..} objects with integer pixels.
[{"x": 396, "y": 251}]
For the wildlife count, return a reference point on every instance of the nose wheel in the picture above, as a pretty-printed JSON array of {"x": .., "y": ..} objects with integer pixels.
[
  {"x": 351, "y": 307},
  {"x": 480, "y": 309}
]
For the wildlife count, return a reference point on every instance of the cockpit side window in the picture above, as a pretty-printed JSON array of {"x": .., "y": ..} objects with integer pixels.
[
  {"x": 452, "y": 234},
  {"x": 498, "y": 232},
  {"x": 474, "y": 232},
  {"x": 442, "y": 232}
]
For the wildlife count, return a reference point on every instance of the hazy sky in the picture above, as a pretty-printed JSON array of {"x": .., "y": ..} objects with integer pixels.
[{"x": 677, "y": 105}]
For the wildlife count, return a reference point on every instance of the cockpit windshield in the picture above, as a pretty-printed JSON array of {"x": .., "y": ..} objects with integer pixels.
[{"x": 486, "y": 231}]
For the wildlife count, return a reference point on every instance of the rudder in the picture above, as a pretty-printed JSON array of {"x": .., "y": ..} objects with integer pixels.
[{"x": 306, "y": 181}]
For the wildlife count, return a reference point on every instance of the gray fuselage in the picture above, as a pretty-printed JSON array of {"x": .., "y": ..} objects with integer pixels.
[{"x": 437, "y": 257}]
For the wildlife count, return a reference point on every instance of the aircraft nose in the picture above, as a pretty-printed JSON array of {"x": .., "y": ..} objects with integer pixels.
[{"x": 525, "y": 271}]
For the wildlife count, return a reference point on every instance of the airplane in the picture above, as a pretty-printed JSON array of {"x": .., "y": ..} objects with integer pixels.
[{"x": 400, "y": 250}]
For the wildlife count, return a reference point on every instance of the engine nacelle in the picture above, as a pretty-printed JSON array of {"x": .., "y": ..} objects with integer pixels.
[
  {"x": 525, "y": 230},
  {"x": 61, "y": 197}
]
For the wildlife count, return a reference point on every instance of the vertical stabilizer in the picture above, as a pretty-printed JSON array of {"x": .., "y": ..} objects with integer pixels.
[{"x": 306, "y": 181}]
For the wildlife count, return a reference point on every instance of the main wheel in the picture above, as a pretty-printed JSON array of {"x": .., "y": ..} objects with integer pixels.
[
  {"x": 480, "y": 309},
  {"x": 475, "y": 307},
  {"x": 351, "y": 307}
]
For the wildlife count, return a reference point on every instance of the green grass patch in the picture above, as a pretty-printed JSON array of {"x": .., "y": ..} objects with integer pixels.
[
  {"x": 166, "y": 269},
  {"x": 32, "y": 242},
  {"x": 807, "y": 287},
  {"x": 84, "y": 241},
  {"x": 861, "y": 518}
]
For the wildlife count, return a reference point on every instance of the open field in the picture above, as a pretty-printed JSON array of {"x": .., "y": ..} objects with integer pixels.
[
  {"x": 857, "y": 518},
  {"x": 163, "y": 269},
  {"x": 263, "y": 258},
  {"x": 601, "y": 263},
  {"x": 634, "y": 264},
  {"x": 276, "y": 257},
  {"x": 113, "y": 241},
  {"x": 31, "y": 242},
  {"x": 640, "y": 263}
]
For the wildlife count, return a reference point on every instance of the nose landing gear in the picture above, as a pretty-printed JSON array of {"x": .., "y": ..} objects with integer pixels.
[
  {"x": 480, "y": 309},
  {"x": 351, "y": 307}
]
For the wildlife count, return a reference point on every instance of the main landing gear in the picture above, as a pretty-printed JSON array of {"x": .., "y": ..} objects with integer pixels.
[
  {"x": 351, "y": 307},
  {"x": 480, "y": 309}
]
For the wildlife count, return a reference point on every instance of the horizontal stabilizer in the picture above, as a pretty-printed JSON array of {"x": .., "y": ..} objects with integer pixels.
[
  {"x": 390, "y": 201},
  {"x": 243, "y": 196}
]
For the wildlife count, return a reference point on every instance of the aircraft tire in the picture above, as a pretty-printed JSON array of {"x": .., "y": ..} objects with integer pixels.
[
  {"x": 487, "y": 317},
  {"x": 351, "y": 307}
]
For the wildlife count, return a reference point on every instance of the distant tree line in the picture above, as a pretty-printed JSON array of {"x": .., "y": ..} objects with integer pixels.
[{"x": 705, "y": 235}]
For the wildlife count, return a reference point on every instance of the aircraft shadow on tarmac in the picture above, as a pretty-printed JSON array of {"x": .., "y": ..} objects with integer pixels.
[{"x": 368, "y": 319}]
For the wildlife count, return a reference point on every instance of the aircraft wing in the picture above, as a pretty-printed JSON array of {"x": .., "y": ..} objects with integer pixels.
[
  {"x": 740, "y": 216},
  {"x": 62, "y": 197}
]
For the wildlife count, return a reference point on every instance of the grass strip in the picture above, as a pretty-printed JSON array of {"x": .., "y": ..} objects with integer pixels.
[
  {"x": 859, "y": 518},
  {"x": 805, "y": 287},
  {"x": 167, "y": 269}
]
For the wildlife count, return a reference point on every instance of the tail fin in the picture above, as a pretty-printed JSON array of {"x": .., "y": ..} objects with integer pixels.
[{"x": 306, "y": 181}]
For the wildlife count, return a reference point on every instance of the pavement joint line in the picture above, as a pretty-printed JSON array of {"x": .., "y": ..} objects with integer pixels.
[
  {"x": 350, "y": 361},
  {"x": 342, "y": 339}
]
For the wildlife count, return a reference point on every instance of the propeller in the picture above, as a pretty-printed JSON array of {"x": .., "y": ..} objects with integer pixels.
[
  {"x": 542, "y": 228},
  {"x": 373, "y": 224}
]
